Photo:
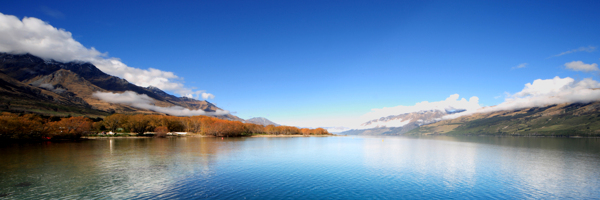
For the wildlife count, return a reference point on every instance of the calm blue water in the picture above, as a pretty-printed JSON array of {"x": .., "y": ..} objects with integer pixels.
[{"x": 304, "y": 168}]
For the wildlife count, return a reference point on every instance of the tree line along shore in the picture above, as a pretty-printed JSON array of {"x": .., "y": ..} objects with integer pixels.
[{"x": 39, "y": 127}]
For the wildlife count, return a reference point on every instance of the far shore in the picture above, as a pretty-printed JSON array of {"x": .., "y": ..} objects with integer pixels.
[
  {"x": 198, "y": 135},
  {"x": 294, "y": 135}
]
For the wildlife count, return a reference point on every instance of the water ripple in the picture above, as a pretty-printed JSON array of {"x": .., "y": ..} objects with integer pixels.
[{"x": 303, "y": 168}]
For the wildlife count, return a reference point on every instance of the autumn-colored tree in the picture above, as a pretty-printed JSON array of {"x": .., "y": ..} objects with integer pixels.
[
  {"x": 288, "y": 130},
  {"x": 138, "y": 123},
  {"x": 320, "y": 131},
  {"x": 271, "y": 129},
  {"x": 220, "y": 127},
  {"x": 161, "y": 131},
  {"x": 305, "y": 131},
  {"x": 254, "y": 128},
  {"x": 27, "y": 126},
  {"x": 70, "y": 128},
  {"x": 217, "y": 128},
  {"x": 8, "y": 125},
  {"x": 30, "y": 126},
  {"x": 206, "y": 124},
  {"x": 192, "y": 124},
  {"x": 173, "y": 123},
  {"x": 234, "y": 128},
  {"x": 98, "y": 126},
  {"x": 281, "y": 130},
  {"x": 114, "y": 121}
]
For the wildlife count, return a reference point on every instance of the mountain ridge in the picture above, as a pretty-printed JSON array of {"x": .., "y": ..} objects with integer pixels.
[
  {"x": 567, "y": 119},
  {"x": 76, "y": 81}
]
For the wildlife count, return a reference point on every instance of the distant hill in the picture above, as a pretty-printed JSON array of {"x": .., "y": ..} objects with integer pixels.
[
  {"x": 398, "y": 124},
  {"x": 31, "y": 84},
  {"x": 261, "y": 121},
  {"x": 575, "y": 119}
]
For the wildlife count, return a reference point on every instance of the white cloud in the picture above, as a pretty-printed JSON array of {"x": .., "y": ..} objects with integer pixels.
[
  {"x": 553, "y": 91},
  {"x": 48, "y": 86},
  {"x": 451, "y": 103},
  {"x": 208, "y": 96},
  {"x": 145, "y": 102},
  {"x": 34, "y": 36},
  {"x": 580, "y": 66},
  {"x": 586, "y": 49},
  {"x": 546, "y": 92},
  {"x": 522, "y": 65}
]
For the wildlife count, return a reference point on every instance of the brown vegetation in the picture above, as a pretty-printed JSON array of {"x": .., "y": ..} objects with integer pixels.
[
  {"x": 204, "y": 125},
  {"x": 161, "y": 131},
  {"x": 31, "y": 126},
  {"x": 69, "y": 128}
]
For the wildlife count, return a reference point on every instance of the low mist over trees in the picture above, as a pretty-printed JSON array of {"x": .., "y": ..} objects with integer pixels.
[{"x": 31, "y": 126}]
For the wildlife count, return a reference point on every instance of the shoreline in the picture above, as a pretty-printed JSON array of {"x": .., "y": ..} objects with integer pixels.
[
  {"x": 287, "y": 136},
  {"x": 258, "y": 136},
  {"x": 292, "y": 136},
  {"x": 334, "y": 135},
  {"x": 504, "y": 135},
  {"x": 138, "y": 137}
]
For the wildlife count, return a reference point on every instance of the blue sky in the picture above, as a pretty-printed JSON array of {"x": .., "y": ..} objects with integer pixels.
[{"x": 295, "y": 62}]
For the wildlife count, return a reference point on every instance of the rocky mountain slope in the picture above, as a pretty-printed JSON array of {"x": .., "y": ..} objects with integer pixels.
[
  {"x": 72, "y": 85},
  {"x": 16, "y": 96},
  {"x": 575, "y": 119}
]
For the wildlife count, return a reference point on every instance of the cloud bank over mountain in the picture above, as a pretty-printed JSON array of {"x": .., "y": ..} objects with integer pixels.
[
  {"x": 145, "y": 102},
  {"x": 451, "y": 103},
  {"x": 539, "y": 93},
  {"x": 558, "y": 90},
  {"x": 34, "y": 36},
  {"x": 544, "y": 92}
]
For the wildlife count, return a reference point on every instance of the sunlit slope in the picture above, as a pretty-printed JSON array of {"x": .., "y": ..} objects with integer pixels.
[
  {"x": 16, "y": 96},
  {"x": 57, "y": 88},
  {"x": 555, "y": 120}
]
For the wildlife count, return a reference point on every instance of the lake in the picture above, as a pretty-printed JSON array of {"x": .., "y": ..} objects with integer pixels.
[{"x": 303, "y": 168}]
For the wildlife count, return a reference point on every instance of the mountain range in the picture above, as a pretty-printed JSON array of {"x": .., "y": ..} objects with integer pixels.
[
  {"x": 31, "y": 84},
  {"x": 568, "y": 119}
]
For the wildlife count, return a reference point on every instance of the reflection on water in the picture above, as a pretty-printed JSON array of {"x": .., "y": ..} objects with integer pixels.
[{"x": 303, "y": 168}]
